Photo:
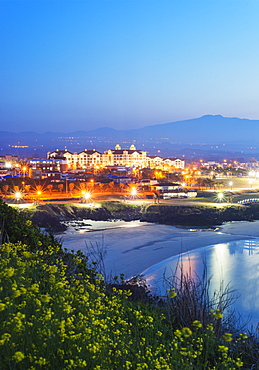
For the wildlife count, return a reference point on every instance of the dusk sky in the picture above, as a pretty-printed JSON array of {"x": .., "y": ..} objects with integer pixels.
[{"x": 79, "y": 65}]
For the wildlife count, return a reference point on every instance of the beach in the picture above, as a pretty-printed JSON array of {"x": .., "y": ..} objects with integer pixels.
[{"x": 133, "y": 247}]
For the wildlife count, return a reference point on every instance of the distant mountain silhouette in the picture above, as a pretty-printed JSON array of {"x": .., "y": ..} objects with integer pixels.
[
  {"x": 209, "y": 128},
  {"x": 201, "y": 133},
  {"x": 206, "y": 129}
]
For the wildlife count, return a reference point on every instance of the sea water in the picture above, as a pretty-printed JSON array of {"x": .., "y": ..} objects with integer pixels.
[
  {"x": 233, "y": 265},
  {"x": 142, "y": 248}
]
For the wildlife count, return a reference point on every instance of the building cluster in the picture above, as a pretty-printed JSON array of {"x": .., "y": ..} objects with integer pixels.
[
  {"x": 131, "y": 157},
  {"x": 63, "y": 162}
]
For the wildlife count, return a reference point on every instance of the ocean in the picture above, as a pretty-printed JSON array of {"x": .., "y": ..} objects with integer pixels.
[{"x": 230, "y": 254}]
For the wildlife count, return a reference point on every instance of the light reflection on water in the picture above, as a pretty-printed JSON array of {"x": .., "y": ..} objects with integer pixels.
[
  {"x": 87, "y": 225},
  {"x": 234, "y": 263}
]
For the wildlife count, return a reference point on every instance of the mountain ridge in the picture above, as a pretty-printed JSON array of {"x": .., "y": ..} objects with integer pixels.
[{"x": 214, "y": 132}]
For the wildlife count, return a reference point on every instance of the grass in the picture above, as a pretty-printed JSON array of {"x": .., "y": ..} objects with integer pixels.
[{"x": 114, "y": 206}]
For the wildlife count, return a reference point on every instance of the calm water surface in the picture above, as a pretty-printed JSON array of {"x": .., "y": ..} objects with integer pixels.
[
  {"x": 134, "y": 248},
  {"x": 234, "y": 263}
]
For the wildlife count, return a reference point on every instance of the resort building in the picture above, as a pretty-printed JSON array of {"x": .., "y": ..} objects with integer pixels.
[
  {"x": 115, "y": 157},
  {"x": 125, "y": 157}
]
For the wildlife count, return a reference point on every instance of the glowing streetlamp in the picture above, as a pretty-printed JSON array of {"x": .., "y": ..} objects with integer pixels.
[
  {"x": 38, "y": 194},
  {"x": 24, "y": 169},
  {"x": 91, "y": 183},
  {"x": 230, "y": 184},
  {"x": 133, "y": 192},
  {"x": 220, "y": 197},
  {"x": 18, "y": 195},
  {"x": 86, "y": 196}
]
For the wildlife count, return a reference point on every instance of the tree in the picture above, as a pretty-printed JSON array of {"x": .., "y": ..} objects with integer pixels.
[
  {"x": 5, "y": 188},
  {"x": 111, "y": 186},
  {"x": 50, "y": 187},
  {"x": 60, "y": 187},
  {"x": 82, "y": 186},
  {"x": 27, "y": 188},
  {"x": 101, "y": 187},
  {"x": 71, "y": 187},
  {"x": 122, "y": 186}
]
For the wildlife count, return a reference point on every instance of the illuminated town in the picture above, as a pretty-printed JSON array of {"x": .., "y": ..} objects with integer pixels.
[{"x": 124, "y": 173}]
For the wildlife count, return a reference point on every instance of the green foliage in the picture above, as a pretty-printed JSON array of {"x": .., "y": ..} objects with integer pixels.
[
  {"x": 53, "y": 319},
  {"x": 17, "y": 228},
  {"x": 57, "y": 314}
]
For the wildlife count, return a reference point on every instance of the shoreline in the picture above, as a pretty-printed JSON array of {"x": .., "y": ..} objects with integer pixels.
[
  {"x": 133, "y": 250},
  {"x": 51, "y": 216}
]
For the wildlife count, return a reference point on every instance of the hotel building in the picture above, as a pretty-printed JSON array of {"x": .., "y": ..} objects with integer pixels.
[{"x": 115, "y": 157}]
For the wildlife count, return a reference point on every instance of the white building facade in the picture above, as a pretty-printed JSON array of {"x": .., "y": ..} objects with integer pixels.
[{"x": 115, "y": 157}]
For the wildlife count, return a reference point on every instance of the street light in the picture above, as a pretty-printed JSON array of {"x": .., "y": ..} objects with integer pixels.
[
  {"x": 18, "y": 195},
  {"x": 133, "y": 192},
  {"x": 86, "y": 196},
  {"x": 231, "y": 184},
  {"x": 220, "y": 197},
  {"x": 24, "y": 169}
]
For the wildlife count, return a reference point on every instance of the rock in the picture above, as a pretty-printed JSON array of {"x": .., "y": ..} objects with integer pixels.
[{"x": 51, "y": 216}]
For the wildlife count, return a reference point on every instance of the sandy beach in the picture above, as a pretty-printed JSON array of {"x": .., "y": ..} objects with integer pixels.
[{"x": 132, "y": 249}]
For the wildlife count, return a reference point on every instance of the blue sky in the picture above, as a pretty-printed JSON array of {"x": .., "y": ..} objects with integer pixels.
[{"x": 79, "y": 65}]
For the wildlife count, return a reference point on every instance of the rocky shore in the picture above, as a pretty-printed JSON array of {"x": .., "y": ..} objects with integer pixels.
[{"x": 51, "y": 216}]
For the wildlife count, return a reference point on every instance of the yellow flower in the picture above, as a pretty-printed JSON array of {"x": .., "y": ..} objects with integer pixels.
[
  {"x": 53, "y": 269},
  {"x": 239, "y": 363},
  {"x": 45, "y": 298},
  {"x": 35, "y": 288},
  {"x": 227, "y": 337},
  {"x": 4, "y": 338},
  {"x": 2, "y": 306},
  {"x": 197, "y": 323},
  {"x": 178, "y": 333},
  {"x": 9, "y": 272},
  {"x": 243, "y": 336},
  {"x": 23, "y": 290},
  {"x": 210, "y": 327},
  {"x": 42, "y": 361},
  {"x": 18, "y": 356},
  {"x": 217, "y": 314},
  {"x": 171, "y": 293},
  {"x": 223, "y": 349},
  {"x": 186, "y": 332}
]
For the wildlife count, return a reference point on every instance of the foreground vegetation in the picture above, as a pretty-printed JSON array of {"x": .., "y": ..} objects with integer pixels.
[{"x": 58, "y": 313}]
